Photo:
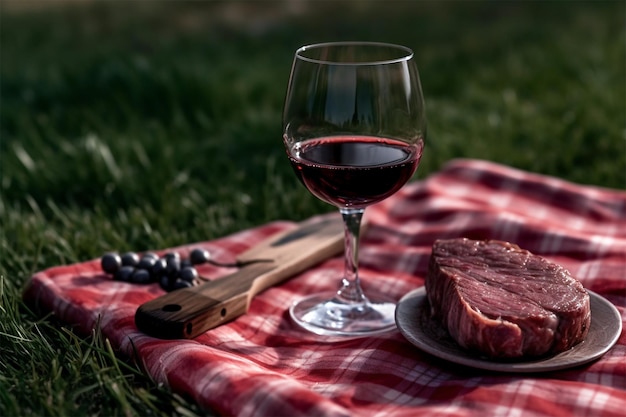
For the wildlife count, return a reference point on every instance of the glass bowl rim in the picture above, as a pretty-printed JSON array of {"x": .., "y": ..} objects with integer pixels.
[{"x": 408, "y": 53}]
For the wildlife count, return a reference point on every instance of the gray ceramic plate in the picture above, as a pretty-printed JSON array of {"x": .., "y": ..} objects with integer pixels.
[{"x": 414, "y": 322}]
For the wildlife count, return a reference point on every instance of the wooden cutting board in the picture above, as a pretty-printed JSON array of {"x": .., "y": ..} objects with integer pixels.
[{"x": 189, "y": 312}]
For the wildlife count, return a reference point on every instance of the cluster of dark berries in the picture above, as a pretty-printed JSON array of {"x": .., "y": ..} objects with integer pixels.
[{"x": 170, "y": 271}]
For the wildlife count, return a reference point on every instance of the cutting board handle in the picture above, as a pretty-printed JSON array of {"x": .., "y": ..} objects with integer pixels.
[{"x": 189, "y": 312}]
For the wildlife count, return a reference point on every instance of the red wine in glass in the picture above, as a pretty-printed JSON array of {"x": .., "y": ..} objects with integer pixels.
[
  {"x": 355, "y": 171},
  {"x": 353, "y": 128}
]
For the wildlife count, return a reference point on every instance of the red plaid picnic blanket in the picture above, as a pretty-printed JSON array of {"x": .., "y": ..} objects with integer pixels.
[{"x": 262, "y": 364}]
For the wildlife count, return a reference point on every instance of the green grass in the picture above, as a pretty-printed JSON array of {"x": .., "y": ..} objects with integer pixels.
[{"x": 127, "y": 126}]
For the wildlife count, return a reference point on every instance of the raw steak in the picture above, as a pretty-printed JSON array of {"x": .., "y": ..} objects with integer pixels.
[{"x": 504, "y": 302}]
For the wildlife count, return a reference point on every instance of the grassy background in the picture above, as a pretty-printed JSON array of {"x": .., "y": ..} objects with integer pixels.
[{"x": 131, "y": 125}]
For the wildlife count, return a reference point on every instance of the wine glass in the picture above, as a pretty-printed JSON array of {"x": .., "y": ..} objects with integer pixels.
[{"x": 353, "y": 128}]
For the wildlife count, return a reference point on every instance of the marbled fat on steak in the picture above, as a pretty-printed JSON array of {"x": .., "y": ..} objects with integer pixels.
[{"x": 504, "y": 302}]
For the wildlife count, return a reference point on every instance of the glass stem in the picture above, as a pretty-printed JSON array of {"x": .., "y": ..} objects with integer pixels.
[{"x": 350, "y": 291}]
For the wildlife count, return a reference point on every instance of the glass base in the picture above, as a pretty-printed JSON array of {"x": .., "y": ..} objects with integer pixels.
[{"x": 327, "y": 315}]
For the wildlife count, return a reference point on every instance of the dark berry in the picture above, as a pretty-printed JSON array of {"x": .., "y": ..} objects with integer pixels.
[
  {"x": 170, "y": 255},
  {"x": 189, "y": 274},
  {"x": 110, "y": 263},
  {"x": 173, "y": 266},
  {"x": 185, "y": 263},
  {"x": 159, "y": 268},
  {"x": 199, "y": 256},
  {"x": 167, "y": 283},
  {"x": 130, "y": 259},
  {"x": 124, "y": 273},
  {"x": 150, "y": 255},
  {"x": 179, "y": 283},
  {"x": 146, "y": 262},
  {"x": 141, "y": 276}
]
